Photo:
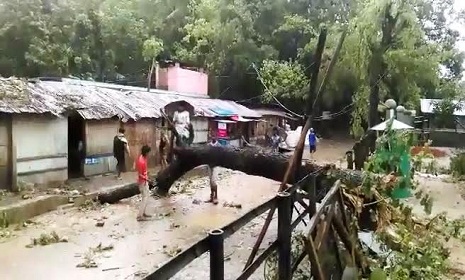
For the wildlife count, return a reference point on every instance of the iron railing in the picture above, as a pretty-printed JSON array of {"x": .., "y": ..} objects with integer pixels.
[{"x": 284, "y": 202}]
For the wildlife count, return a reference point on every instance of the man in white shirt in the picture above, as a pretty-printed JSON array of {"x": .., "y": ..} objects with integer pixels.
[{"x": 181, "y": 119}]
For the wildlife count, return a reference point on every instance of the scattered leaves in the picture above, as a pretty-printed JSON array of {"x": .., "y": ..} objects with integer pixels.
[
  {"x": 47, "y": 239},
  {"x": 172, "y": 251}
]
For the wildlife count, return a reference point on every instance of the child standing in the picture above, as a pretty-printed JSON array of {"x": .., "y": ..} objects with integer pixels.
[{"x": 142, "y": 180}]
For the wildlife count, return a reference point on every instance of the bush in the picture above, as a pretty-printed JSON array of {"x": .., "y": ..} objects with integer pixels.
[{"x": 457, "y": 165}]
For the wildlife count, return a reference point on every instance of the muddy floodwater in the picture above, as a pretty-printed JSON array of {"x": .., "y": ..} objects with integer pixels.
[
  {"x": 135, "y": 248},
  {"x": 122, "y": 248},
  {"x": 138, "y": 247}
]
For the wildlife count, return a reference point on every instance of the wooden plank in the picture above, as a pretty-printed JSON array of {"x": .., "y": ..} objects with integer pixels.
[
  {"x": 324, "y": 227},
  {"x": 325, "y": 202},
  {"x": 313, "y": 256}
]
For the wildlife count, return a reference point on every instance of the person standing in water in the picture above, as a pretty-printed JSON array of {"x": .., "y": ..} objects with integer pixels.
[
  {"x": 312, "y": 140},
  {"x": 181, "y": 119},
  {"x": 143, "y": 182},
  {"x": 120, "y": 149}
]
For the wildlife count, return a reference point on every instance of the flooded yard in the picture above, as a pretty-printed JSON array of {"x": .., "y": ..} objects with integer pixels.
[
  {"x": 178, "y": 221},
  {"x": 110, "y": 241},
  {"x": 138, "y": 248}
]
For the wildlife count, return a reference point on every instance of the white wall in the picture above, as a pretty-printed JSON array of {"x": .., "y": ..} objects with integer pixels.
[
  {"x": 99, "y": 136},
  {"x": 41, "y": 144},
  {"x": 200, "y": 129},
  {"x": 99, "y": 146}
]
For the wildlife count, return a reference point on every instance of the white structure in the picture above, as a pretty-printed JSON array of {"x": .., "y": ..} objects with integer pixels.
[{"x": 396, "y": 125}]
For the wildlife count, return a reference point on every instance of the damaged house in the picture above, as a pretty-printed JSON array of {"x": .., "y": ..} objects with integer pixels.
[{"x": 54, "y": 130}]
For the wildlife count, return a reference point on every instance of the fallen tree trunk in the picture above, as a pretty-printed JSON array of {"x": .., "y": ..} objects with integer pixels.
[{"x": 252, "y": 161}]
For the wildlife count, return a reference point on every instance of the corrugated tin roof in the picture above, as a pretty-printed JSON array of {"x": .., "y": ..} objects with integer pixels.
[
  {"x": 96, "y": 102},
  {"x": 126, "y": 88},
  {"x": 273, "y": 112},
  {"x": 427, "y": 106}
]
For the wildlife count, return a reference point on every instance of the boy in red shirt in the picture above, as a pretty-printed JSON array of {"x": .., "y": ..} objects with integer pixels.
[{"x": 142, "y": 180}]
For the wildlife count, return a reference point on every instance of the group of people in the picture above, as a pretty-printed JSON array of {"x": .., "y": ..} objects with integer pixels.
[
  {"x": 121, "y": 151},
  {"x": 275, "y": 139},
  {"x": 181, "y": 122}
]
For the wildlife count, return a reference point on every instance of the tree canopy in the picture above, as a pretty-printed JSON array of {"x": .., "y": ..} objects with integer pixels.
[{"x": 399, "y": 49}]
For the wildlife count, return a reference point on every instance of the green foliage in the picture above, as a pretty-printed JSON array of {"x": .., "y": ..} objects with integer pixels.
[
  {"x": 418, "y": 250},
  {"x": 457, "y": 165},
  {"x": 420, "y": 256},
  {"x": 105, "y": 39},
  {"x": 152, "y": 48},
  {"x": 378, "y": 274},
  {"x": 285, "y": 79},
  {"x": 444, "y": 112}
]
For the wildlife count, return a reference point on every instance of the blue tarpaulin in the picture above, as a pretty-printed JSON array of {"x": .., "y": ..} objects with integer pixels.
[{"x": 223, "y": 112}]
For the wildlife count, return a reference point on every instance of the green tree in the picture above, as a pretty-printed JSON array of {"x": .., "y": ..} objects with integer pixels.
[
  {"x": 151, "y": 49},
  {"x": 394, "y": 49}
]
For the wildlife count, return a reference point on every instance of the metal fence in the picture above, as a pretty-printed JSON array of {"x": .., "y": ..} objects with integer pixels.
[{"x": 324, "y": 222}]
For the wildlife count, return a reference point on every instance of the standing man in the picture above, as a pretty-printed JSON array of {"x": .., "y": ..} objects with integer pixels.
[
  {"x": 142, "y": 181},
  {"x": 120, "y": 148},
  {"x": 181, "y": 121},
  {"x": 275, "y": 140},
  {"x": 213, "y": 175},
  {"x": 312, "y": 140},
  {"x": 162, "y": 147}
]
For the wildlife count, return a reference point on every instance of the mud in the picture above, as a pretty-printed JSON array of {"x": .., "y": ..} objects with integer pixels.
[
  {"x": 179, "y": 221},
  {"x": 139, "y": 248}
]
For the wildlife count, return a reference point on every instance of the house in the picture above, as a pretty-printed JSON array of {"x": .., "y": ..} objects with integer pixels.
[
  {"x": 427, "y": 108},
  {"x": 43, "y": 124},
  {"x": 272, "y": 115},
  {"x": 173, "y": 77},
  {"x": 453, "y": 134}
]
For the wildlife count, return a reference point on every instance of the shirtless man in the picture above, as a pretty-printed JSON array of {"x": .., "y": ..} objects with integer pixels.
[
  {"x": 213, "y": 175},
  {"x": 120, "y": 149},
  {"x": 162, "y": 148}
]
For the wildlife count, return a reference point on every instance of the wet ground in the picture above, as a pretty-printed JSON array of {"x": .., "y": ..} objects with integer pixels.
[
  {"x": 448, "y": 197},
  {"x": 179, "y": 221},
  {"x": 138, "y": 248}
]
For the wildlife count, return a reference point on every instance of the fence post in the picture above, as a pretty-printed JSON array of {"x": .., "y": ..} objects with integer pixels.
[
  {"x": 313, "y": 198},
  {"x": 284, "y": 236},
  {"x": 216, "y": 241}
]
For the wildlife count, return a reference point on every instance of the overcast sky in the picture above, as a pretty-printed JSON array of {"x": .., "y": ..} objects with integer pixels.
[{"x": 460, "y": 4}]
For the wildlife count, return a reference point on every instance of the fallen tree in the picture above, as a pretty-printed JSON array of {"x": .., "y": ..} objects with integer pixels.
[{"x": 250, "y": 160}]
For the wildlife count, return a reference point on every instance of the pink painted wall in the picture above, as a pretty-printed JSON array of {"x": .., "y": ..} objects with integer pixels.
[{"x": 178, "y": 79}]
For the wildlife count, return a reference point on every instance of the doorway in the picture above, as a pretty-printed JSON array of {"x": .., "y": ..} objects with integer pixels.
[
  {"x": 6, "y": 154},
  {"x": 76, "y": 146}
]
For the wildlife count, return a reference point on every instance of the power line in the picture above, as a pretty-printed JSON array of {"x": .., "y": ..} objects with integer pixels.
[{"x": 272, "y": 96}]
